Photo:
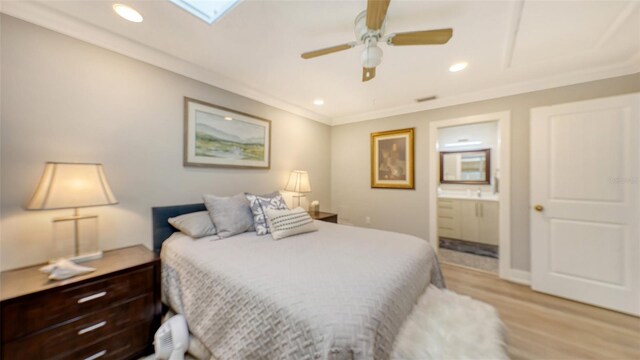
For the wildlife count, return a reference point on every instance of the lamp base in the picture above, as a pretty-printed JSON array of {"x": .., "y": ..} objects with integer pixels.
[
  {"x": 82, "y": 258},
  {"x": 299, "y": 196},
  {"x": 76, "y": 238}
]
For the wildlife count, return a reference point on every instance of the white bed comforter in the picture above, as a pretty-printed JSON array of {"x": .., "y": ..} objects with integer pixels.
[{"x": 339, "y": 293}]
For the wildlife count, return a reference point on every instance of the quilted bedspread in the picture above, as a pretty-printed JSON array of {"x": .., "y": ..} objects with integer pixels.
[{"x": 339, "y": 293}]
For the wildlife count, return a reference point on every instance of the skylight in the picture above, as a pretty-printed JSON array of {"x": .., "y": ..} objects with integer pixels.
[{"x": 207, "y": 10}]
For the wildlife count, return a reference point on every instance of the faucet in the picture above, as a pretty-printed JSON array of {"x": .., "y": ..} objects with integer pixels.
[{"x": 479, "y": 193}]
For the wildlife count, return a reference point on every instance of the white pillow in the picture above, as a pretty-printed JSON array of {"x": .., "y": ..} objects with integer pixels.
[
  {"x": 284, "y": 223},
  {"x": 197, "y": 224}
]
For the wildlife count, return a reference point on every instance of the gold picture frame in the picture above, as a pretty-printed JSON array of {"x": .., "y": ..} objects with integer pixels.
[
  {"x": 392, "y": 159},
  {"x": 215, "y": 136}
]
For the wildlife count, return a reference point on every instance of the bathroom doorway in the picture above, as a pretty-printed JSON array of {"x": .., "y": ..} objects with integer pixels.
[{"x": 469, "y": 192}]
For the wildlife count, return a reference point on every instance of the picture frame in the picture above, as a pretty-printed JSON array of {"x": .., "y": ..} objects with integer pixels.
[
  {"x": 215, "y": 136},
  {"x": 392, "y": 159}
]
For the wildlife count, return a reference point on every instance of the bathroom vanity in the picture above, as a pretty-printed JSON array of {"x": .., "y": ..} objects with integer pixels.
[
  {"x": 465, "y": 213},
  {"x": 469, "y": 219}
]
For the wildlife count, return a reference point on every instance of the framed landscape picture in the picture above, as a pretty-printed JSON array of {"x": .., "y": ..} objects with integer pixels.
[
  {"x": 392, "y": 159},
  {"x": 217, "y": 136}
]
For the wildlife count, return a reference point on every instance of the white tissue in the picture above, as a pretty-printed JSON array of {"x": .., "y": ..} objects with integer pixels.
[{"x": 64, "y": 269}]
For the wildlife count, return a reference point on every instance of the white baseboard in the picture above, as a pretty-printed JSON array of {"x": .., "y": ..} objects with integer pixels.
[{"x": 519, "y": 276}]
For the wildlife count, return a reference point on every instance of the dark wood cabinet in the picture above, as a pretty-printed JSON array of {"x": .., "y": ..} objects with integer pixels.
[
  {"x": 111, "y": 313},
  {"x": 324, "y": 216}
]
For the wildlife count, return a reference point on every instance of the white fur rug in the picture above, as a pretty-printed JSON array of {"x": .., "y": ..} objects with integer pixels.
[{"x": 445, "y": 325}]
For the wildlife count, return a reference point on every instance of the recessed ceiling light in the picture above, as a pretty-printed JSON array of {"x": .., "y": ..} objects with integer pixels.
[
  {"x": 228, "y": 118},
  {"x": 457, "y": 67},
  {"x": 318, "y": 102},
  {"x": 127, "y": 13}
]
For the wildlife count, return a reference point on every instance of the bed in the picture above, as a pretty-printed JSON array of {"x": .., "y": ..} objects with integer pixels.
[{"x": 341, "y": 292}]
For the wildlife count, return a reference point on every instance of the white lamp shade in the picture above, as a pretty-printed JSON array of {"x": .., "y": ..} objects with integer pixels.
[
  {"x": 69, "y": 185},
  {"x": 298, "y": 182}
]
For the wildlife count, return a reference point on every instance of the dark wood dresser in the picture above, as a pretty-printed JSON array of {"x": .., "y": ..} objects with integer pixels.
[
  {"x": 324, "y": 216},
  {"x": 111, "y": 313}
]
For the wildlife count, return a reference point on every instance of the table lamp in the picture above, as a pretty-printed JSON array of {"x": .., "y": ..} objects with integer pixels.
[
  {"x": 72, "y": 186},
  {"x": 298, "y": 183}
]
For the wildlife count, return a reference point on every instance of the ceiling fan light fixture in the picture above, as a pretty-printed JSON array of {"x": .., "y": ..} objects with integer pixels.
[
  {"x": 458, "y": 67},
  {"x": 371, "y": 56},
  {"x": 369, "y": 29}
]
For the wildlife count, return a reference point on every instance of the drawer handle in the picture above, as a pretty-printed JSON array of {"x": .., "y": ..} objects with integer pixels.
[
  {"x": 92, "y": 297},
  {"x": 92, "y": 327},
  {"x": 97, "y": 355}
]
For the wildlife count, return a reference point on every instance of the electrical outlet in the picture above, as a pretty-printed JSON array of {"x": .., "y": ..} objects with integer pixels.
[{"x": 367, "y": 220}]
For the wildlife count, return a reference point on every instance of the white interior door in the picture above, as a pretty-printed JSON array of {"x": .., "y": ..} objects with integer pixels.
[{"x": 585, "y": 160}]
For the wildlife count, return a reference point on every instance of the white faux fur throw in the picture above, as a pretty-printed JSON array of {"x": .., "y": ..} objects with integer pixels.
[{"x": 446, "y": 326}]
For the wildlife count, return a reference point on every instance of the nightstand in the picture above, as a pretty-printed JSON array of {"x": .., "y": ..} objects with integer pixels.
[
  {"x": 324, "y": 216},
  {"x": 111, "y": 313}
]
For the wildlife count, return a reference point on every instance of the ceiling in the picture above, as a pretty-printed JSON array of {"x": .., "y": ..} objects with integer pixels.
[{"x": 511, "y": 46}]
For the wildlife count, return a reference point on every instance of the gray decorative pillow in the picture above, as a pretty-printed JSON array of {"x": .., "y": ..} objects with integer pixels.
[
  {"x": 284, "y": 223},
  {"x": 196, "y": 225},
  {"x": 259, "y": 203},
  {"x": 231, "y": 215}
]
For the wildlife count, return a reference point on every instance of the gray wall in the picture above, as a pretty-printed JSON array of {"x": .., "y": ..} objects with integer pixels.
[
  {"x": 407, "y": 210},
  {"x": 66, "y": 100}
]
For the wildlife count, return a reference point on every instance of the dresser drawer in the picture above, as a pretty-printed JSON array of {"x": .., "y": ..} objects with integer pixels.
[
  {"x": 447, "y": 223},
  {"x": 446, "y": 204},
  {"x": 27, "y": 315},
  {"x": 447, "y": 213},
  {"x": 65, "y": 339},
  {"x": 122, "y": 345}
]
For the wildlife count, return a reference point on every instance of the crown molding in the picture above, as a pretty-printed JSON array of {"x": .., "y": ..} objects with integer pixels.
[
  {"x": 628, "y": 67},
  {"x": 53, "y": 20}
]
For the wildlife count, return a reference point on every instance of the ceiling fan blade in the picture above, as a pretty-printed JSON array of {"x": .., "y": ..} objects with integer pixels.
[
  {"x": 329, "y": 50},
  {"x": 376, "y": 12},
  {"x": 427, "y": 37},
  {"x": 368, "y": 74}
]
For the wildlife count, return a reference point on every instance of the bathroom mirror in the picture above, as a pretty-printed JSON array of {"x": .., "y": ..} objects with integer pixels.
[{"x": 465, "y": 167}]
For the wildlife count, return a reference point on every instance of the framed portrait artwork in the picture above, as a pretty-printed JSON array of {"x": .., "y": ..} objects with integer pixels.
[
  {"x": 217, "y": 136},
  {"x": 392, "y": 159}
]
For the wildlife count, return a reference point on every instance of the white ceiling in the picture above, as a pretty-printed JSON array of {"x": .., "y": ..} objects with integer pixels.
[{"x": 511, "y": 46}]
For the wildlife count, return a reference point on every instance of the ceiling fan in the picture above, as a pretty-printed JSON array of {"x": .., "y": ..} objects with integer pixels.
[{"x": 369, "y": 29}]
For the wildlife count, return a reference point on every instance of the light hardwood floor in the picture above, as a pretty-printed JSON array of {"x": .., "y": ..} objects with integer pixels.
[{"x": 542, "y": 326}]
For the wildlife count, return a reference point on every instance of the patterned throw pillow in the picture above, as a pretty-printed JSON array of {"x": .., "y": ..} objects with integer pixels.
[
  {"x": 259, "y": 203},
  {"x": 284, "y": 223}
]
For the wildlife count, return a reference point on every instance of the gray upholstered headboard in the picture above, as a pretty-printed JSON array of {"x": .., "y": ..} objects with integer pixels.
[{"x": 161, "y": 227}]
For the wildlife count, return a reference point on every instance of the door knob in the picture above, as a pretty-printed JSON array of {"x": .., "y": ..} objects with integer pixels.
[{"x": 538, "y": 207}]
